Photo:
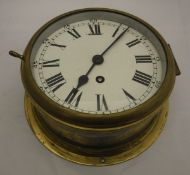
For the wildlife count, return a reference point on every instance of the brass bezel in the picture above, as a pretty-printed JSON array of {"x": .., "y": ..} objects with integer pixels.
[{"x": 98, "y": 120}]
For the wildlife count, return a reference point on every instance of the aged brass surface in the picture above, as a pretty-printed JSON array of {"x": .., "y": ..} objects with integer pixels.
[
  {"x": 92, "y": 139},
  {"x": 15, "y": 54},
  {"x": 125, "y": 151}
]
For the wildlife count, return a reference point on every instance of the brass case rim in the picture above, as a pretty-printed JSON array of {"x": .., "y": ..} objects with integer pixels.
[
  {"x": 98, "y": 120},
  {"x": 134, "y": 148}
]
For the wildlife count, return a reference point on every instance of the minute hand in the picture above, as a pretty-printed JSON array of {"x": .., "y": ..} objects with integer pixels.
[
  {"x": 97, "y": 60},
  {"x": 114, "y": 41}
]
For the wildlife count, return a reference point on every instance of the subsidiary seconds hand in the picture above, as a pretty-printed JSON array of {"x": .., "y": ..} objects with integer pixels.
[{"x": 97, "y": 60}]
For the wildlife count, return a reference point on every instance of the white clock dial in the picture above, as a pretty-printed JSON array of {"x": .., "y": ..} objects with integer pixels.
[{"x": 132, "y": 70}]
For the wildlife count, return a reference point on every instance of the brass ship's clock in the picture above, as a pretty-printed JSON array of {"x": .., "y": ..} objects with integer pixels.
[{"x": 97, "y": 85}]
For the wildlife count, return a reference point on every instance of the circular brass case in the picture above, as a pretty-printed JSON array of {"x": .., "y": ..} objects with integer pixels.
[
  {"x": 92, "y": 139},
  {"x": 95, "y": 156}
]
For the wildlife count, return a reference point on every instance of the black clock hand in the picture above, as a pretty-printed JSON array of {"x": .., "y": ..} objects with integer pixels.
[
  {"x": 114, "y": 41},
  {"x": 83, "y": 79},
  {"x": 97, "y": 60}
]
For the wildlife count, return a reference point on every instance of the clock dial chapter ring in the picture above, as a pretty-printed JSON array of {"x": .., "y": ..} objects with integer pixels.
[
  {"x": 127, "y": 116},
  {"x": 102, "y": 138}
]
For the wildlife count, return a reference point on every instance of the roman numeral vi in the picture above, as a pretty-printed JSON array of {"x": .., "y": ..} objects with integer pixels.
[{"x": 101, "y": 102}]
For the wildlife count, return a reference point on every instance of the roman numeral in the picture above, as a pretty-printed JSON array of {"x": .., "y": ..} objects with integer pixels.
[
  {"x": 57, "y": 45},
  {"x": 55, "y": 82},
  {"x": 143, "y": 59},
  {"x": 142, "y": 78},
  {"x": 51, "y": 63},
  {"x": 74, "y": 33},
  {"x": 128, "y": 95},
  {"x": 73, "y": 97},
  {"x": 115, "y": 32},
  {"x": 94, "y": 29},
  {"x": 101, "y": 102},
  {"x": 52, "y": 43},
  {"x": 133, "y": 43}
]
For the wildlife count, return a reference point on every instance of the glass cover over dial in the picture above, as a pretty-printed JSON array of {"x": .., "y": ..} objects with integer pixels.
[{"x": 98, "y": 65}]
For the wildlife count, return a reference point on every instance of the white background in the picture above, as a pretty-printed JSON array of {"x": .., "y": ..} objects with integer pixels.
[{"x": 22, "y": 154}]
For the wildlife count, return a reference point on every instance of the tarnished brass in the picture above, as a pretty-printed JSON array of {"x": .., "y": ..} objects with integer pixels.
[
  {"x": 178, "y": 72},
  {"x": 93, "y": 139},
  {"x": 15, "y": 54},
  {"x": 99, "y": 155}
]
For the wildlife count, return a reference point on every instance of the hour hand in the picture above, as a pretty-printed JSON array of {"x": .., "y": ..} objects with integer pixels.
[{"x": 83, "y": 79}]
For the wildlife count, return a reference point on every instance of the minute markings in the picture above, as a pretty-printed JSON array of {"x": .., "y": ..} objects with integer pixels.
[{"x": 127, "y": 94}]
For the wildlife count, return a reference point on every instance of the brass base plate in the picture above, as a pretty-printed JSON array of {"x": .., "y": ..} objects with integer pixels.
[{"x": 135, "y": 148}]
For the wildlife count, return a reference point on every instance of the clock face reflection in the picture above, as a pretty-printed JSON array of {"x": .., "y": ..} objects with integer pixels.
[{"x": 129, "y": 72}]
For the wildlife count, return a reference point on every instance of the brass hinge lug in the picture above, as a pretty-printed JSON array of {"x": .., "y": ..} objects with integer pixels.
[
  {"x": 15, "y": 54},
  {"x": 177, "y": 70}
]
